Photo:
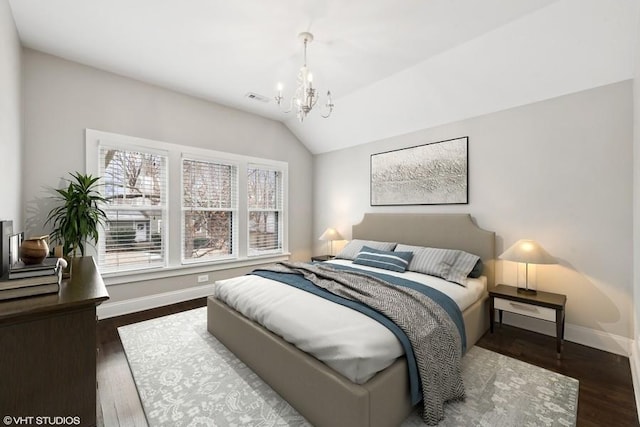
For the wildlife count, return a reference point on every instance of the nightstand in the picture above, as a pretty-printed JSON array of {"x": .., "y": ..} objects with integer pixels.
[
  {"x": 322, "y": 257},
  {"x": 542, "y": 305}
]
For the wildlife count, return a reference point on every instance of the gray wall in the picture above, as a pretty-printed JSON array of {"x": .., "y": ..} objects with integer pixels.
[
  {"x": 62, "y": 98},
  {"x": 558, "y": 171},
  {"x": 10, "y": 118}
]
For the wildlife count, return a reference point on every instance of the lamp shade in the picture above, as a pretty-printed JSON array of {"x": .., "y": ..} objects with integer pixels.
[
  {"x": 528, "y": 251},
  {"x": 330, "y": 234}
]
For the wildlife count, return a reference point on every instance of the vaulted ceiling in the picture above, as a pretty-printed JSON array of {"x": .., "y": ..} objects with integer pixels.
[{"x": 393, "y": 66}]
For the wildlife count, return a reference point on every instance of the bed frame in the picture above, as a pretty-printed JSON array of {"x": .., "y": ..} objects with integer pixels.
[{"x": 321, "y": 395}]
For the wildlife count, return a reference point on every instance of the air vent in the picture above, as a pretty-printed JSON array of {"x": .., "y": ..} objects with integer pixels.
[{"x": 256, "y": 97}]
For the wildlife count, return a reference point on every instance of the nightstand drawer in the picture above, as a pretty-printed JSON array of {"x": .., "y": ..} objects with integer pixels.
[{"x": 543, "y": 313}]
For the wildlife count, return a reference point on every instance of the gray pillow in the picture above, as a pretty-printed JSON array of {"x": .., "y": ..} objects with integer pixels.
[
  {"x": 351, "y": 250},
  {"x": 450, "y": 264},
  {"x": 432, "y": 261},
  {"x": 463, "y": 265}
]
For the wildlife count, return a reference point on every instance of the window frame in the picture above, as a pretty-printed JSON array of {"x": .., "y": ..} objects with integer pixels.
[{"x": 172, "y": 226}]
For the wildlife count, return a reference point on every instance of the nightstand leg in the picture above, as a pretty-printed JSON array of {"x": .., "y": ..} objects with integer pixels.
[
  {"x": 559, "y": 330},
  {"x": 500, "y": 314},
  {"x": 492, "y": 314}
]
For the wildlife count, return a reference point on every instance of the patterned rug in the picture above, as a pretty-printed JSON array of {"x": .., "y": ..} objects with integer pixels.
[{"x": 186, "y": 377}]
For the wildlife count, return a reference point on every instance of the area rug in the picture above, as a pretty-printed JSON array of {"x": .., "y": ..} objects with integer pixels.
[{"x": 186, "y": 377}]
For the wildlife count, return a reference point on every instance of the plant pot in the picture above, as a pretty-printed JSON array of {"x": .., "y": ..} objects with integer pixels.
[{"x": 34, "y": 250}]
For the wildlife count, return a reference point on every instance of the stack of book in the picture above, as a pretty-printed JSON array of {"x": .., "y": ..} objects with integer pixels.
[{"x": 28, "y": 280}]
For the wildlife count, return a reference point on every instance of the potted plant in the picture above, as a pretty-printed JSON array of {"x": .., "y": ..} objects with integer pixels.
[{"x": 78, "y": 218}]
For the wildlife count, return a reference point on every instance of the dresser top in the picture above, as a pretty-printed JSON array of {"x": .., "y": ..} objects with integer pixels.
[{"x": 84, "y": 288}]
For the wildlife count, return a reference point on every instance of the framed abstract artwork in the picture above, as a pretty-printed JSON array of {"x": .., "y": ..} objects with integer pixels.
[{"x": 431, "y": 174}]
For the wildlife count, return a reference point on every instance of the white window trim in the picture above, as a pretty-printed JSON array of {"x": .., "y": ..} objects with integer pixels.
[{"x": 174, "y": 266}]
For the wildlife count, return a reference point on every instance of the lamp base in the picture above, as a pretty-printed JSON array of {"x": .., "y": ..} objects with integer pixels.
[{"x": 527, "y": 291}]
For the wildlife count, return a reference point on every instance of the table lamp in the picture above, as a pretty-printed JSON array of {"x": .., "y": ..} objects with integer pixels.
[
  {"x": 330, "y": 234},
  {"x": 528, "y": 252}
]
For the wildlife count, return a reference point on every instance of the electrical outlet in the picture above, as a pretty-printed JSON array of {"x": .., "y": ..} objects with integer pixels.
[{"x": 203, "y": 278}]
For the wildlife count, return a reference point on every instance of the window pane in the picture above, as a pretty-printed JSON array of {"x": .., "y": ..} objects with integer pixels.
[
  {"x": 264, "y": 232},
  {"x": 208, "y": 234},
  {"x": 209, "y": 203},
  {"x": 133, "y": 178},
  {"x": 208, "y": 185},
  {"x": 264, "y": 189},
  {"x": 133, "y": 239},
  {"x": 135, "y": 190},
  {"x": 264, "y": 201}
]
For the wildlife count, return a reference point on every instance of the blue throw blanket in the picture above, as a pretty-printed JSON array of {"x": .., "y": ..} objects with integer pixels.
[{"x": 441, "y": 299}]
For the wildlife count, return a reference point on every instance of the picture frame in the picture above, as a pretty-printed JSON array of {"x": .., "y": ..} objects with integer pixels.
[{"x": 435, "y": 173}]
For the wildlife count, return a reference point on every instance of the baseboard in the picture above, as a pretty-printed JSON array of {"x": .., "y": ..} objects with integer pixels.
[
  {"x": 574, "y": 333},
  {"x": 119, "y": 308}
]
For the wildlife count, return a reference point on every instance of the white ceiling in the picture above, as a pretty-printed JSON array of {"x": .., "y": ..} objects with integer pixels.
[{"x": 392, "y": 66}]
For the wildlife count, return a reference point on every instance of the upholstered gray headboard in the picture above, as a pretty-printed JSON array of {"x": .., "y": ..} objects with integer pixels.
[{"x": 449, "y": 231}]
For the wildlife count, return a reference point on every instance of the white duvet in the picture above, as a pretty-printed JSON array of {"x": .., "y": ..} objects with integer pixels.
[{"x": 348, "y": 341}]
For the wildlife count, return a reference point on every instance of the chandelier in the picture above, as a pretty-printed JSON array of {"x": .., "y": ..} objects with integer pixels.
[{"x": 305, "y": 96}]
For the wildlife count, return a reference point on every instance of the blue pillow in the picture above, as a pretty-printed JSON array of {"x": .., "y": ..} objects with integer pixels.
[
  {"x": 388, "y": 260},
  {"x": 477, "y": 270}
]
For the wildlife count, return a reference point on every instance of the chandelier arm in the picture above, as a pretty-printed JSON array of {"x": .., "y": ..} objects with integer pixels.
[
  {"x": 329, "y": 113},
  {"x": 328, "y": 105},
  {"x": 279, "y": 98},
  {"x": 290, "y": 107}
]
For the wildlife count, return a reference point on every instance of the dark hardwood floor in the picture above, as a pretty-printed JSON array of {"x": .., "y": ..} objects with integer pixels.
[{"x": 606, "y": 390}]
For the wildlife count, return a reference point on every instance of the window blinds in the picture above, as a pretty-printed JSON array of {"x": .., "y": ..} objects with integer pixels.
[
  {"x": 135, "y": 187},
  {"x": 265, "y": 209},
  {"x": 209, "y": 207}
]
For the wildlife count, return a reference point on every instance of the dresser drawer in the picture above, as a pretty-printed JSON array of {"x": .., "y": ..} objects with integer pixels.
[{"x": 543, "y": 313}]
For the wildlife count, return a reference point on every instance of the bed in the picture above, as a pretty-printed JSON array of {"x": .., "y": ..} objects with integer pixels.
[{"x": 319, "y": 393}]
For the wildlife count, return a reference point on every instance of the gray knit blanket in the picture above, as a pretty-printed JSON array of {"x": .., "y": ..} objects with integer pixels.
[{"x": 434, "y": 337}]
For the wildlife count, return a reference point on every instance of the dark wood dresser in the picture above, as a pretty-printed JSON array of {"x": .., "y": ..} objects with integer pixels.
[{"x": 48, "y": 352}]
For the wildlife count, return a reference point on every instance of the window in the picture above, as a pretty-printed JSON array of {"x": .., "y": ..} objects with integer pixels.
[
  {"x": 172, "y": 207},
  {"x": 264, "y": 203},
  {"x": 134, "y": 184},
  {"x": 209, "y": 210}
]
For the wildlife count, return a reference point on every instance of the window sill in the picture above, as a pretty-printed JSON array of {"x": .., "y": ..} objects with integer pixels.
[{"x": 183, "y": 270}]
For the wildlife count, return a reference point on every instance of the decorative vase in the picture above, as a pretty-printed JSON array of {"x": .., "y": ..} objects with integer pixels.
[{"x": 34, "y": 250}]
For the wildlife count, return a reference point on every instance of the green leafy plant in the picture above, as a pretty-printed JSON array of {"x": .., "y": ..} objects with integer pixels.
[{"x": 78, "y": 218}]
